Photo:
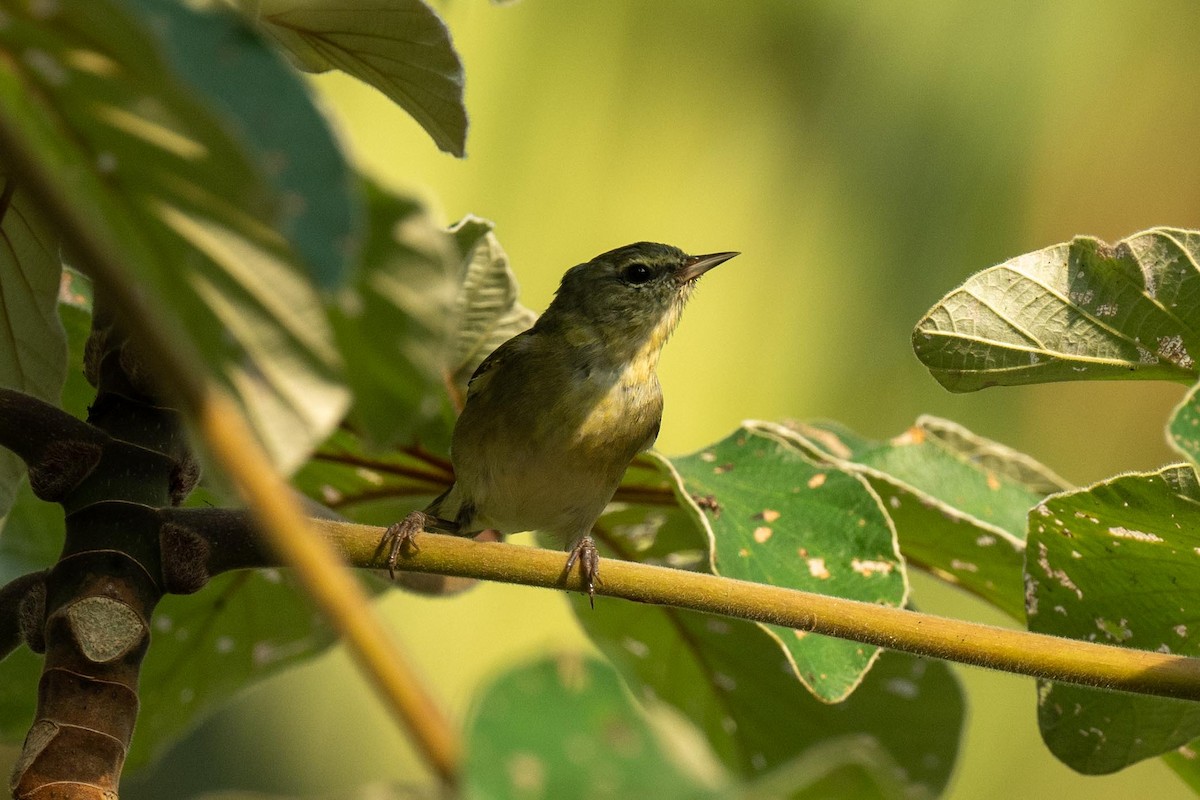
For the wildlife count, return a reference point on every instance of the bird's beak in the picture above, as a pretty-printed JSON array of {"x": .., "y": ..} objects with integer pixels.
[{"x": 695, "y": 266}]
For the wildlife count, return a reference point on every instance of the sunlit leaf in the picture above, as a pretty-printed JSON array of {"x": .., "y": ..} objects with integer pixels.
[
  {"x": 959, "y": 501},
  {"x": 394, "y": 326},
  {"x": 489, "y": 312},
  {"x": 1082, "y": 310},
  {"x": 565, "y": 728},
  {"x": 160, "y": 178},
  {"x": 778, "y": 518},
  {"x": 1117, "y": 564},
  {"x": 33, "y": 349},
  {"x": 401, "y": 47}
]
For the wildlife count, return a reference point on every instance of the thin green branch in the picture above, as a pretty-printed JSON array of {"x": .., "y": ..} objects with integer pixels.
[{"x": 1019, "y": 652}]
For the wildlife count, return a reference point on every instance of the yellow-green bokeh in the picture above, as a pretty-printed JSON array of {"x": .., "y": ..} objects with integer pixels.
[{"x": 865, "y": 158}]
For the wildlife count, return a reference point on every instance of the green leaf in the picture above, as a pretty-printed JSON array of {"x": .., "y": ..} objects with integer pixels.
[
  {"x": 489, "y": 314},
  {"x": 159, "y": 178},
  {"x": 401, "y": 47},
  {"x": 959, "y": 501},
  {"x": 1116, "y": 563},
  {"x": 33, "y": 348},
  {"x": 1183, "y": 429},
  {"x": 1185, "y": 762},
  {"x": 273, "y": 115},
  {"x": 1083, "y": 310},
  {"x": 730, "y": 679},
  {"x": 781, "y": 519},
  {"x": 565, "y": 728},
  {"x": 395, "y": 327},
  {"x": 241, "y": 628},
  {"x": 646, "y": 523}
]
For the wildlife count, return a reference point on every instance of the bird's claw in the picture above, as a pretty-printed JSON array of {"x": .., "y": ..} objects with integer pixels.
[
  {"x": 588, "y": 556},
  {"x": 400, "y": 535}
]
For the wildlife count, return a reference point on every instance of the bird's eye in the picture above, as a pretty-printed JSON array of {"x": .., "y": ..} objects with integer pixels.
[{"x": 637, "y": 273}]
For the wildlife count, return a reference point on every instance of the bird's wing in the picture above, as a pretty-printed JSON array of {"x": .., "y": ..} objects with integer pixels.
[{"x": 479, "y": 378}]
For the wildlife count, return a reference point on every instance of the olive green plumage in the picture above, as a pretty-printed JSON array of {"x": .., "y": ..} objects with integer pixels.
[{"x": 554, "y": 416}]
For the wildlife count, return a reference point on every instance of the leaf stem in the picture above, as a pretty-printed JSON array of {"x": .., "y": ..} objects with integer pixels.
[{"x": 1020, "y": 652}]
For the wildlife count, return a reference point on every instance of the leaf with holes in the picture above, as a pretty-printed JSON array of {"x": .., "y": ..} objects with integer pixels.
[
  {"x": 154, "y": 171},
  {"x": 564, "y": 727},
  {"x": 401, "y": 47},
  {"x": 1082, "y": 310},
  {"x": 1116, "y": 563},
  {"x": 959, "y": 501},
  {"x": 779, "y": 518}
]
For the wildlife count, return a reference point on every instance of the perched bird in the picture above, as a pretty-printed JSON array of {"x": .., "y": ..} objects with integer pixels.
[{"x": 555, "y": 414}]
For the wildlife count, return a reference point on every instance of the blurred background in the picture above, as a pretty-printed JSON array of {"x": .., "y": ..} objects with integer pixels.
[{"x": 865, "y": 158}]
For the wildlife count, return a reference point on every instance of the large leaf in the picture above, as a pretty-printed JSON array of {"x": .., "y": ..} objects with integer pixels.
[
  {"x": 318, "y": 210},
  {"x": 959, "y": 501},
  {"x": 1082, "y": 310},
  {"x": 899, "y": 730},
  {"x": 489, "y": 314},
  {"x": 1116, "y": 563},
  {"x": 565, "y": 728},
  {"x": 394, "y": 329},
  {"x": 33, "y": 348},
  {"x": 778, "y": 518},
  {"x": 401, "y": 47},
  {"x": 241, "y": 628},
  {"x": 158, "y": 176}
]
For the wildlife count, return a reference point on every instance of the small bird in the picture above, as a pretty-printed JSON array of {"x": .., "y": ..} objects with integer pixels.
[{"x": 555, "y": 414}]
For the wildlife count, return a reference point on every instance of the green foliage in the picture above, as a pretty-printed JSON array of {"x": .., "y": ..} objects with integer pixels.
[
  {"x": 33, "y": 351},
  {"x": 157, "y": 173},
  {"x": 401, "y": 47},
  {"x": 1116, "y": 563},
  {"x": 1083, "y": 310},
  {"x": 348, "y": 322},
  {"x": 780, "y": 519},
  {"x": 958, "y": 500},
  {"x": 523, "y": 741}
]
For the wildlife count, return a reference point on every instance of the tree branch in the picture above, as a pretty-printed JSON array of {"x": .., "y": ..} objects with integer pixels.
[{"x": 1019, "y": 652}]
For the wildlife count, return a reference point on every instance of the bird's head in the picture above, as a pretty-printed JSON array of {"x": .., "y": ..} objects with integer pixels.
[{"x": 634, "y": 293}]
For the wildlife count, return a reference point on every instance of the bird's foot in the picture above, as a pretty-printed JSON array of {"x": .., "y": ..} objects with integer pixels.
[
  {"x": 584, "y": 551},
  {"x": 400, "y": 535}
]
